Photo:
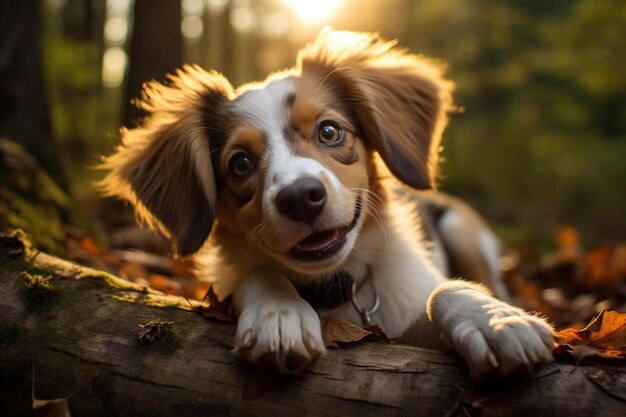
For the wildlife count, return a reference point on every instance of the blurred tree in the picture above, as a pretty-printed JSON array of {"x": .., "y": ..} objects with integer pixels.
[
  {"x": 24, "y": 112},
  {"x": 155, "y": 48}
]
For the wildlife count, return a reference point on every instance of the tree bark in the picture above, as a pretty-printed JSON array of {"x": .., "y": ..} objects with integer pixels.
[
  {"x": 84, "y": 324},
  {"x": 24, "y": 110},
  {"x": 156, "y": 49}
]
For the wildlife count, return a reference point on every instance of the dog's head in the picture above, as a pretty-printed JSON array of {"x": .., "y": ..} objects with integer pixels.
[{"x": 286, "y": 164}]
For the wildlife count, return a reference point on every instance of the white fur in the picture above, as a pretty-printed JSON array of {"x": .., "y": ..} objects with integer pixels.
[
  {"x": 418, "y": 304},
  {"x": 274, "y": 320},
  {"x": 492, "y": 336},
  {"x": 265, "y": 108}
]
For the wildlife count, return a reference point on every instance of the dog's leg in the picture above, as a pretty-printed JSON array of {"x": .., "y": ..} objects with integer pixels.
[
  {"x": 492, "y": 336},
  {"x": 276, "y": 329}
]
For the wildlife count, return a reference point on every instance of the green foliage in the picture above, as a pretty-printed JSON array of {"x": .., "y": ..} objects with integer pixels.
[
  {"x": 541, "y": 140},
  {"x": 30, "y": 200}
]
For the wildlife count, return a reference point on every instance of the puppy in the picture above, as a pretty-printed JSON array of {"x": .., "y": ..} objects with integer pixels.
[{"x": 300, "y": 194}]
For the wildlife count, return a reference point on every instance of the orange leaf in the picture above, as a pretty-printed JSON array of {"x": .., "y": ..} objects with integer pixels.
[
  {"x": 566, "y": 237},
  {"x": 605, "y": 336},
  {"x": 336, "y": 331},
  {"x": 611, "y": 334}
]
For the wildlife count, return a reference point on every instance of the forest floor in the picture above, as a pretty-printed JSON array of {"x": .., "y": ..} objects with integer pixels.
[{"x": 569, "y": 285}]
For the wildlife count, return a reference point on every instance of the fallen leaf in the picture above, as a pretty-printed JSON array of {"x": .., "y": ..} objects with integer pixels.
[
  {"x": 336, "y": 331},
  {"x": 568, "y": 241},
  {"x": 216, "y": 310},
  {"x": 595, "y": 269},
  {"x": 56, "y": 407},
  {"x": 88, "y": 245},
  {"x": 604, "y": 337},
  {"x": 223, "y": 307},
  {"x": 377, "y": 334},
  {"x": 210, "y": 313},
  {"x": 51, "y": 408}
]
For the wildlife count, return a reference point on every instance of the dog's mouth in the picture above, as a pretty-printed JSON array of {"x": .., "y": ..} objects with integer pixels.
[{"x": 324, "y": 244}]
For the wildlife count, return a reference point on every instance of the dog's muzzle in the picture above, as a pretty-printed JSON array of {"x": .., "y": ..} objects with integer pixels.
[{"x": 323, "y": 245}]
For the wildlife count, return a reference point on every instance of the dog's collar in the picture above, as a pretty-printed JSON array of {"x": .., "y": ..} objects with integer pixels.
[{"x": 337, "y": 291}]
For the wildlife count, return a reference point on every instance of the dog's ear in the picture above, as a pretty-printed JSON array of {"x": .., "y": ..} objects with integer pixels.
[
  {"x": 401, "y": 100},
  {"x": 163, "y": 166}
]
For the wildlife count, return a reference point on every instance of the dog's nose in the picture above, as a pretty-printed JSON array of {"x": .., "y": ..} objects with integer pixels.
[{"x": 302, "y": 200}]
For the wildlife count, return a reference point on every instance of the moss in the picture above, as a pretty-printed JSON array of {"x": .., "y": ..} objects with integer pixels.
[
  {"x": 37, "y": 291},
  {"x": 42, "y": 221},
  {"x": 111, "y": 280},
  {"x": 31, "y": 200}
]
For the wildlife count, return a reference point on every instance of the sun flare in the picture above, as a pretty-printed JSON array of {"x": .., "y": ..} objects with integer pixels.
[{"x": 318, "y": 11}]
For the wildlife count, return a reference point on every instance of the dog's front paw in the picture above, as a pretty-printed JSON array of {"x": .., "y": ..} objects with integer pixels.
[
  {"x": 506, "y": 340},
  {"x": 284, "y": 336},
  {"x": 492, "y": 336}
]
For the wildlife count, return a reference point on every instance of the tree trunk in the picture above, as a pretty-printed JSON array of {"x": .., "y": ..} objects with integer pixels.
[
  {"x": 83, "y": 324},
  {"x": 24, "y": 112},
  {"x": 156, "y": 48}
]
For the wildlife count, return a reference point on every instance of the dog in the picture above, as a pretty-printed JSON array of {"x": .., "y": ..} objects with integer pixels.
[{"x": 310, "y": 193}]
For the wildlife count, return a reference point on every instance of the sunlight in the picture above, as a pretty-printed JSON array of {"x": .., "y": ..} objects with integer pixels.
[{"x": 313, "y": 11}]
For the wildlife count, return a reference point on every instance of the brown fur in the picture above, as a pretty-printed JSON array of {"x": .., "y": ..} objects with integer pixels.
[
  {"x": 174, "y": 167},
  {"x": 401, "y": 100},
  {"x": 163, "y": 167}
]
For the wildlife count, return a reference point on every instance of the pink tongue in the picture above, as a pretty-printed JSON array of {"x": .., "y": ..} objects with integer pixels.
[{"x": 318, "y": 240}]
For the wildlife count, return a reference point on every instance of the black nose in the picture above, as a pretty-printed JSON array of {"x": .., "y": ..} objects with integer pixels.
[{"x": 302, "y": 200}]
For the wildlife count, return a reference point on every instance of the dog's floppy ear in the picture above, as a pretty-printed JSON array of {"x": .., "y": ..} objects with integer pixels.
[
  {"x": 163, "y": 167},
  {"x": 401, "y": 100}
]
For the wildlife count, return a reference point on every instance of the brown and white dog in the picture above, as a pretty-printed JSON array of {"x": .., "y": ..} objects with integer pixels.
[{"x": 294, "y": 192}]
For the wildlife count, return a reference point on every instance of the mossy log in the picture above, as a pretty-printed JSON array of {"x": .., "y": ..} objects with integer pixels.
[{"x": 78, "y": 327}]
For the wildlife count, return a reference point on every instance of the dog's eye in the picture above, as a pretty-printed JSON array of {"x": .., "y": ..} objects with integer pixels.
[
  {"x": 241, "y": 165},
  {"x": 329, "y": 133}
]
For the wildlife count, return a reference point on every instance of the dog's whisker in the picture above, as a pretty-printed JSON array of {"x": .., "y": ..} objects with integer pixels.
[{"x": 375, "y": 204}]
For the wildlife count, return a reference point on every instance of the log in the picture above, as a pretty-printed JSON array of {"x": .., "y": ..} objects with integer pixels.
[{"x": 78, "y": 328}]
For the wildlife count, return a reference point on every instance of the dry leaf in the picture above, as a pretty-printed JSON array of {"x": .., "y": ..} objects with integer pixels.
[
  {"x": 211, "y": 313},
  {"x": 223, "y": 307},
  {"x": 595, "y": 269},
  {"x": 605, "y": 337},
  {"x": 51, "y": 408},
  {"x": 566, "y": 237},
  {"x": 217, "y": 310},
  {"x": 56, "y": 407},
  {"x": 377, "y": 333},
  {"x": 336, "y": 331}
]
